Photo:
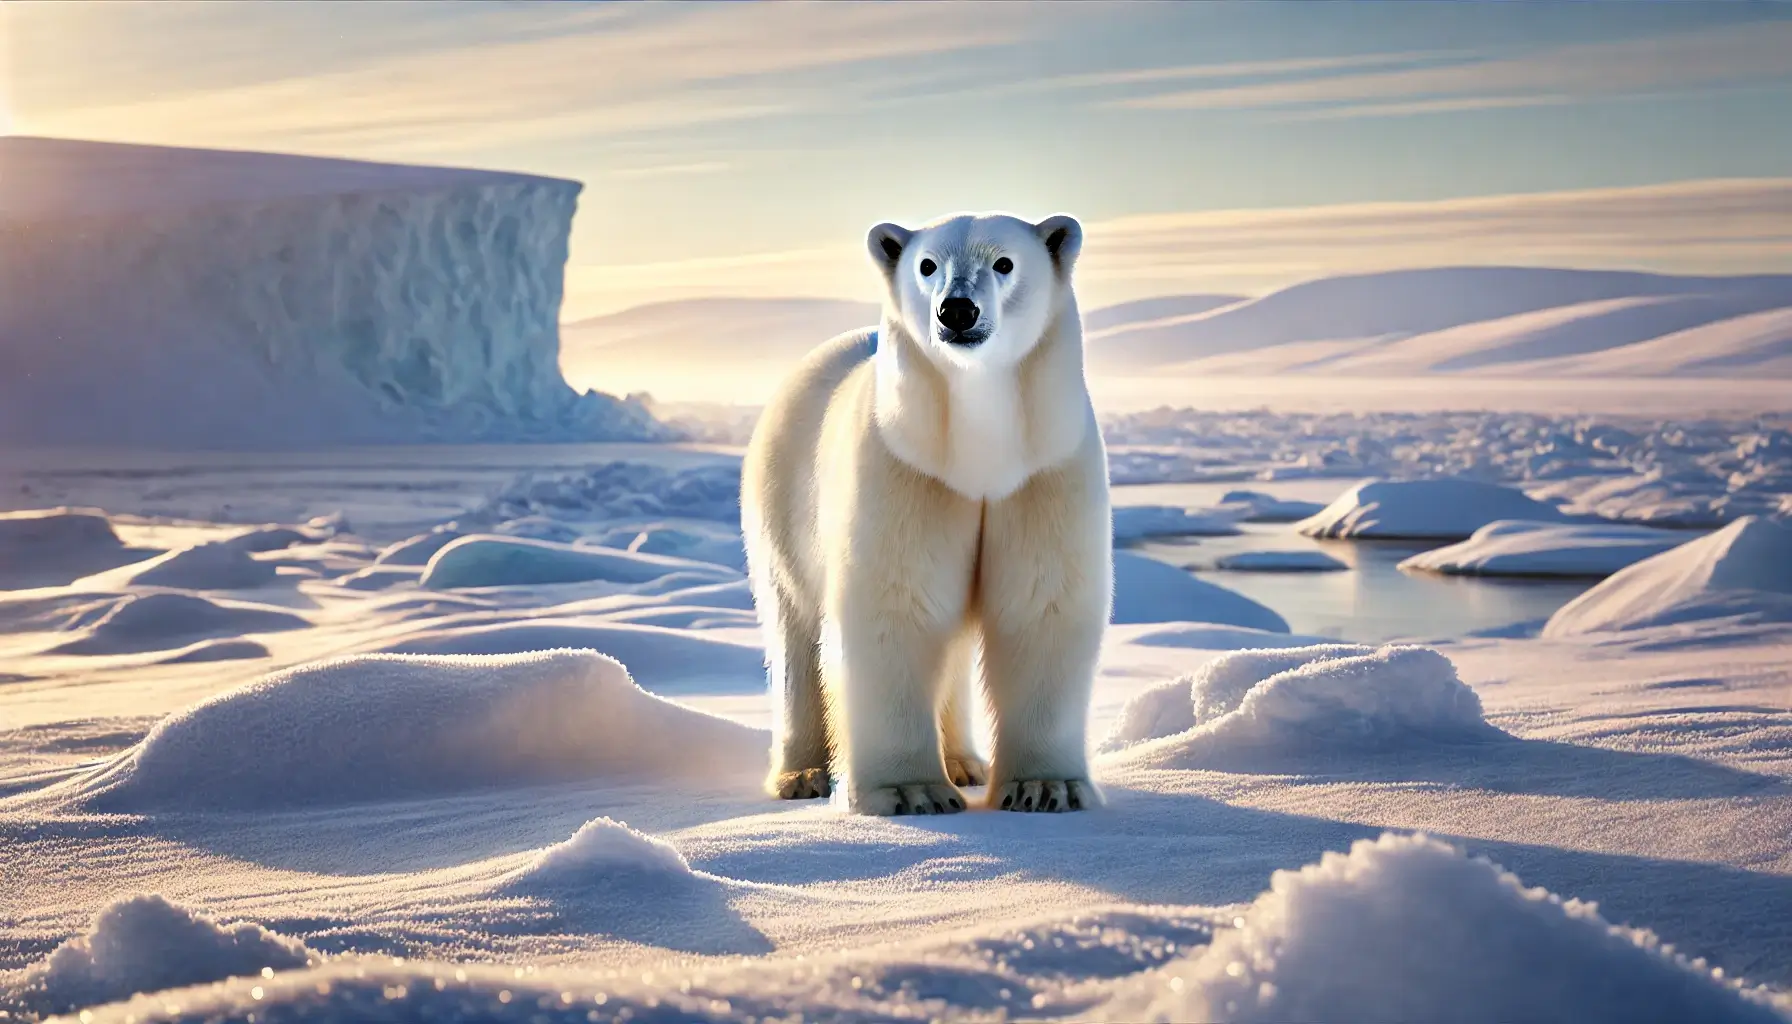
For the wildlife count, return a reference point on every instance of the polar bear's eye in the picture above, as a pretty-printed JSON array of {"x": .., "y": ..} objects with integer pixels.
[
  {"x": 928, "y": 267},
  {"x": 1004, "y": 266}
]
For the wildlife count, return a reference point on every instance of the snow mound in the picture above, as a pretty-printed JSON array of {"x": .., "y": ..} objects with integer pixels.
[
  {"x": 162, "y": 620},
  {"x": 1181, "y": 704},
  {"x": 1257, "y": 507},
  {"x": 214, "y": 565},
  {"x": 1744, "y": 569},
  {"x": 417, "y": 550},
  {"x": 1279, "y": 561},
  {"x": 39, "y": 531},
  {"x": 694, "y": 542},
  {"x": 1146, "y": 590},
  {"x": 179, "y": 296},
  {"x": 1515, "y": 548},
  {"x": 659, "y": 659},
  {"x": 145, "y": 944},
  {"x": 215, "y": 650},
  {"x": 1137, "y": 522},
  {"x": 1408, "y": 929},
  {"x": 602, "y": 850},
  {"x": 385, "y": 726},
  {"x": 622, "y": 490},
  {"x": 483, "y": 560},
  {"x": 1423, "y": 509},
  {"x": 1255, "y": 706}
]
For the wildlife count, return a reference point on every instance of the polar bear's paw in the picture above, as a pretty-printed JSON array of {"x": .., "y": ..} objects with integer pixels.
[
  {"x": 1049, "y": 795},
  {"x": 807, "y": 784},
  {"x": 916, "y": 798},
  {"x": 967, "y": 770}
]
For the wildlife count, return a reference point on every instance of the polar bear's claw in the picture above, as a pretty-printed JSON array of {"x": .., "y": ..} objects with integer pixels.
[
  {"x": 806, "y": 784},
  {"x": 915, "y": 798},
  {"x": 1048, "y": 795},
  {"x": 966, "y": 770}
]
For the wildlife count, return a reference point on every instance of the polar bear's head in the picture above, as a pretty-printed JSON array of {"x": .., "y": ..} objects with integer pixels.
[{"x": 977, "y": 290}]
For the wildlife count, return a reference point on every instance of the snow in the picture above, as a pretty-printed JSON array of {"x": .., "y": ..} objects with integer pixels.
[
  {"x": 1745, "y": 569},
  {"x": 1268, "y": 707},
  {"x": 179, "y": 296},
  {"x": 144, "y": 944},
  {"x": 1137, "y": 522},
  {"x": 418, "y": 550},
  {"x": 602, "y": 850},
  {"x": 1257, "y": 507},
  {"x": 1279, "y": 561},
  {"x": 381, "y": 726},
  {"x": 52, "y": 546},
  {"x": 1533, "y": 321},
  {"x": 1431, "y": 509},
  {"x": 1516, "y": 548},
  {"x": 1406, "y": 928},
  {"x": 481, "y": 560},
  {"x": 213, "y": 565},
  {"x": 161, "y": 620},
  {"x": 1146, "y": 590}
]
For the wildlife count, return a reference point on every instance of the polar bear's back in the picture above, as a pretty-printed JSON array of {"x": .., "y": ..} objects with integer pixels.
[{"x": 778, "y": 475}]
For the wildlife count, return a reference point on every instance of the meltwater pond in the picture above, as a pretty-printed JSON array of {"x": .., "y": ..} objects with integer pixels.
[{"x": 1369, "y": 602}]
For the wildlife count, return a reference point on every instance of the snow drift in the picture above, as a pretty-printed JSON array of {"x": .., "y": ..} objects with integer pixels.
[
  {"x": 1265, "y": 705},
  {"x": 1146, "y": 590},
  {"x": 492, "y": 561},
  {"x": 1423, "y": 509},
  {"x": 213, "y": 565},
  {"x": 1745, "y": 569},
  {"x": 160, "y": 621},
  {"x": 1408, "y": 929},
  {"x": 602, "y": 850},
  {"x": 52, "y": 546},
  {"x": 1139, "y": 522},
  {"x": 381, "y": 726},
  {"x": 182, "y": 296},
  {"x": 144, "y": 944},
  {"x": 1513, "y": 548}
]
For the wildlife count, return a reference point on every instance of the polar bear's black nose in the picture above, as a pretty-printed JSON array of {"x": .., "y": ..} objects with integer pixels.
[{"x": 959, "y": 314}]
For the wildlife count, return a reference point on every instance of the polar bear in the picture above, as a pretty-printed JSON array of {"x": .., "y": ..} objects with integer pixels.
[{"x": 930, "y": 499}]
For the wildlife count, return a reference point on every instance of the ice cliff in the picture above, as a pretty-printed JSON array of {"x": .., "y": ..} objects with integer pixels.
[{"x": 163, "y": 296}]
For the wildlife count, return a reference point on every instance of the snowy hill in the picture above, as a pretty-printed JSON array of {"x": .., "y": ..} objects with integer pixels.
[
  {"x": 1482, "y": 320},
  {"x": 181, "y": 296}
]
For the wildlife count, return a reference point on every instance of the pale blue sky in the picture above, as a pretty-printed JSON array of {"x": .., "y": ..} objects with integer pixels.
[{"x": 744, "y": 149}]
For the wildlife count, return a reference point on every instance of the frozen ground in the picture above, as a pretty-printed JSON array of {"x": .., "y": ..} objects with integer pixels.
[{"x": 306, "y": 737}]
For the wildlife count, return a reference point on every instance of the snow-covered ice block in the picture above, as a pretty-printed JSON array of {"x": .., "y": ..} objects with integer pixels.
[
  {"x": 377, "y": 726},
  {"x": 1516, "y": 548},
  {"x": 1255, "y": 706},
  {"x": 1257, "y": 507},
  {"x": 418, "y": 550},
  {"x": 1138, "y": 522},
  {"x": 1146, "y": 590},
  {"x": 1745, "y": 569},
  {"x": 1408, "y": 929},
  {"x": 1279, "y": 561},
  {"x": 213, "y": 565},
  {"x": 170, "y": 296},
  {"x": 483, "y": 560},
  {"x": 1423, "y": 509},
  {"x": 162, "y": 620},
  {"x": 145, "y": 944}
]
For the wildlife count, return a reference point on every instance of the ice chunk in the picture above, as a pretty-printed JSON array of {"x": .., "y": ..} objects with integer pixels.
[
  {"x": 1514, "y": 548},
  {"x": 1279, "y": 561},
  {"x": 1146, "y": 590},
  {"x": 1745, "y": 569},
  {"x": 1408, "y": 929},
  {"x": 1428, "y": 509},
  {"x": 145, "y": 944},
  {"x": 1137, "y": 522},
  {"x": 380, "y": 726},
  {"x": 1265, "y": 706},
  {"x": 490, "y": 561},
  {"x": 1257, "y": 507},
  {"x": 420, "y": 549}
]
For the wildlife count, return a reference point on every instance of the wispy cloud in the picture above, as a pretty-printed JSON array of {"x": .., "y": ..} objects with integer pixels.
[
  {"x": 610, "y": 70},
  {"x": 1688, "y": 60}
]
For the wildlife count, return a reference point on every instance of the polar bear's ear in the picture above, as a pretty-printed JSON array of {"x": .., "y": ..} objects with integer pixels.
[
  {"x": 1063, "y": 238},
  {"x": 886, "y": 243}
]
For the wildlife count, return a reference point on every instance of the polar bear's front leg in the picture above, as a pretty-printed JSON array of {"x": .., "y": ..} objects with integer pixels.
[
  {"x": 883, "y": 672},
  {"x": 1047, "y": 584},
  {"x": 800, "y": 748},
  {"x": 964, "y": 766}
]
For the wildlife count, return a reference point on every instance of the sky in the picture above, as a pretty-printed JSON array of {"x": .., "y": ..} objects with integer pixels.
[{"x": 743, "y": 149}]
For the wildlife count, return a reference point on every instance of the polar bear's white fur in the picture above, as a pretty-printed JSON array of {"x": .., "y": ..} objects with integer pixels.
[{"x": 920, "y": 495}]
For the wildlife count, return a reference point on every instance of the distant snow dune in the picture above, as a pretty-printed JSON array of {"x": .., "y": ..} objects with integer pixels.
[{"x": 1492, "y": 321}]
